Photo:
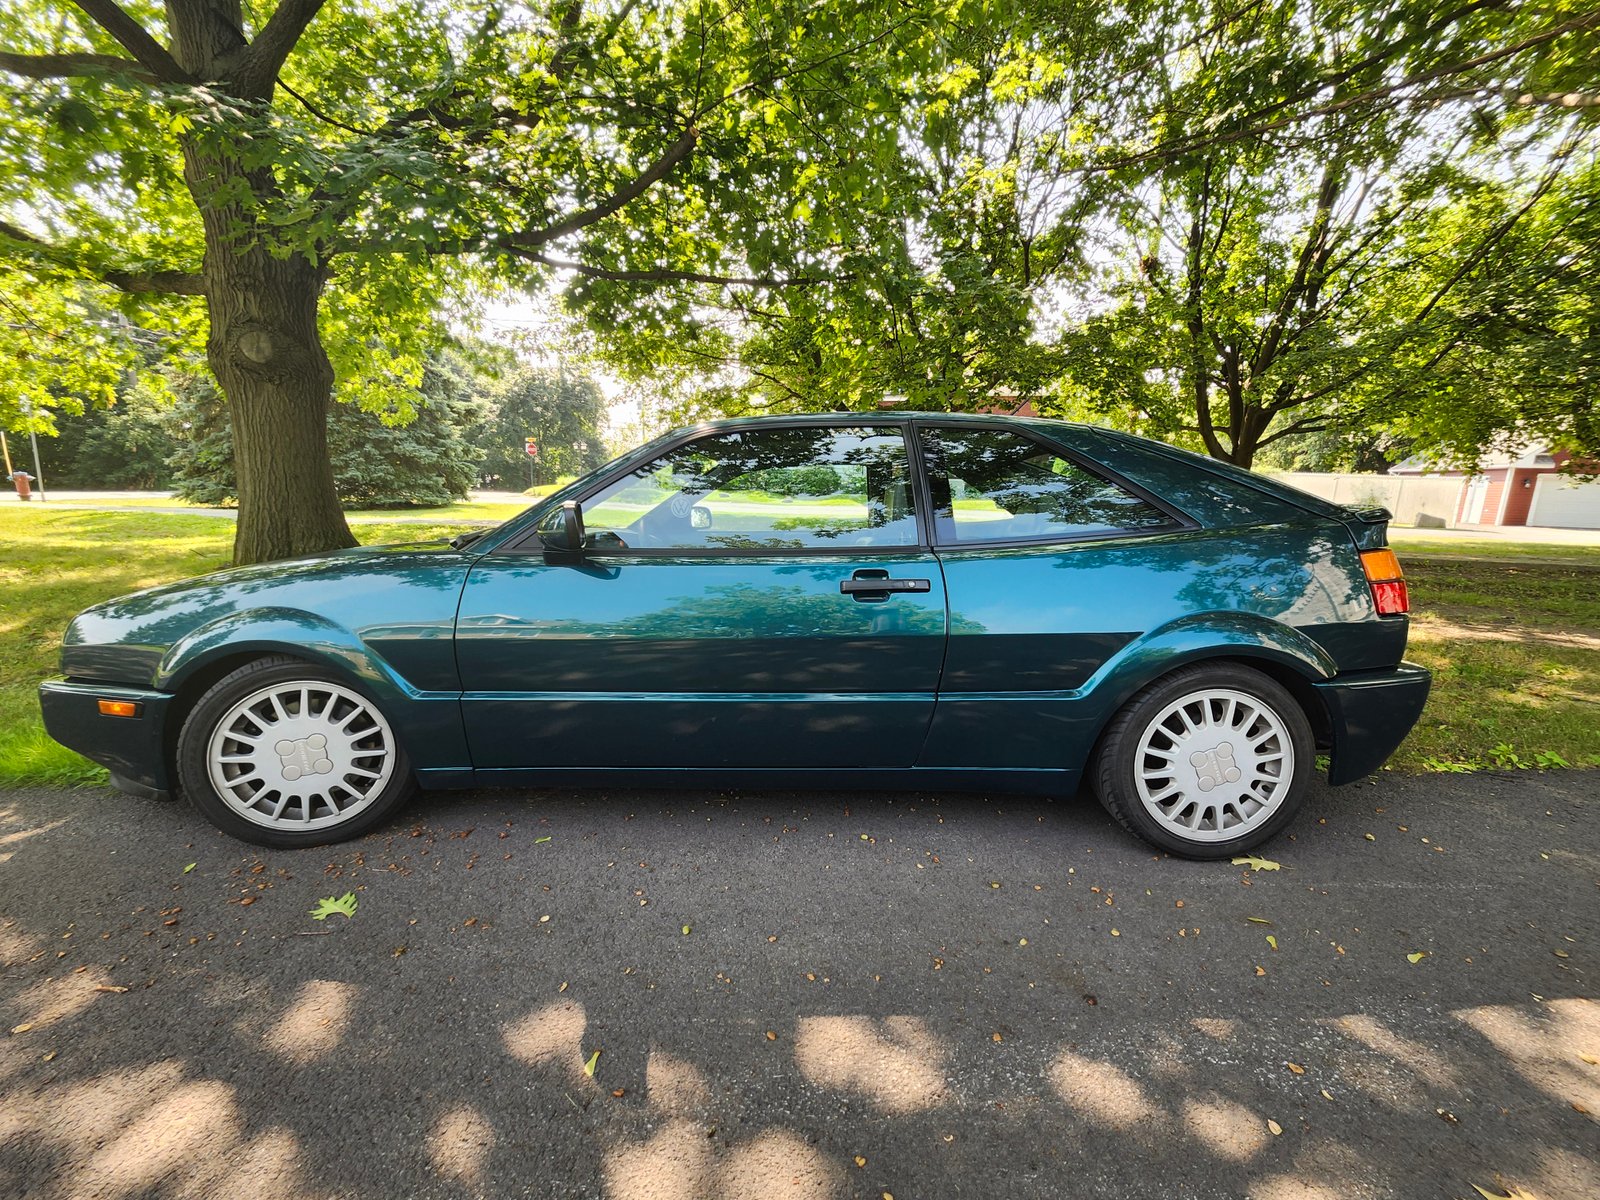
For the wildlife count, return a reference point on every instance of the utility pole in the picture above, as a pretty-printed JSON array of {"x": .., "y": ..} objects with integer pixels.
[{"x": 38, "y": 472}]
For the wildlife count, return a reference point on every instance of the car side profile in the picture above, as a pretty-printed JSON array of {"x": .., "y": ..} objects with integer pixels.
[{"x": 895, "y": 600}]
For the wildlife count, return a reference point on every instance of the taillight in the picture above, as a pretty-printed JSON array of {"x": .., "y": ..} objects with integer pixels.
[{"x": 1387, "y": 582}]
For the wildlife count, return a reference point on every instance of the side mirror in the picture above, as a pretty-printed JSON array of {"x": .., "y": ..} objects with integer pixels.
[
  {"x": 565, "y": 535},
  {"x": 699, "y": 517}
]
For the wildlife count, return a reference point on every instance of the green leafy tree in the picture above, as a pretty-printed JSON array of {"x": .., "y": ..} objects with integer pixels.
[
  {"x": 376, "y": 462},
  {"x": 314, "y": 182},
  {"x": 1516, "y": 358},
  {"x": 1293, "y": 277},
  {"x": 122, "y": 446},
  {"x": 561, "y": 410}
]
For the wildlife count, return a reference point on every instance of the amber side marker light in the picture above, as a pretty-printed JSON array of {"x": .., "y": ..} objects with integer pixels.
[
  {"x": 119, "y": 708},
  {"x": 1387, "y": 582}
]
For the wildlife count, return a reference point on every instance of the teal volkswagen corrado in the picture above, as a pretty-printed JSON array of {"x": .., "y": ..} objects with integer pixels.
[{"x": 906, "y": 600}]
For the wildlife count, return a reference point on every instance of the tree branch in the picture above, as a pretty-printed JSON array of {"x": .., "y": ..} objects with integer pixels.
[
  {"x": 676, "y": 153},
  {"x": 67, "y": 66},
  {"x": 1254, "y": 127},
  {"x": 669, "y": 276},
  {"x": 261, "y": 62},
  {"x": 133, "y": 38},
  {"x": 175, "y": 283}
]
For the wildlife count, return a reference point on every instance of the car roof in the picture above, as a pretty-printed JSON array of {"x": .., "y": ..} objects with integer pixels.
[{"x": 877, "y": 416}]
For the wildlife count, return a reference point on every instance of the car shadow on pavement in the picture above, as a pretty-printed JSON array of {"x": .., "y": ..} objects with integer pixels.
[{"x": 674, "y": 996}]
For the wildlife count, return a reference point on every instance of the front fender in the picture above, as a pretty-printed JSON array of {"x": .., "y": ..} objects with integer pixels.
[
  {"x": 428, "y": 721},
  {"x": 277, "y": 631}
]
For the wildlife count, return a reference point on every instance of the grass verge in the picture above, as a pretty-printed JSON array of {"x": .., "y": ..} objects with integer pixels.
[
  {"x": 1513, "y": 641},
  {"x": 1514, "y": 646}
]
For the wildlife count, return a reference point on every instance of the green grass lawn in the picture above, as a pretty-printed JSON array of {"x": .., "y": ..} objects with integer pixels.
[
  {"x": 1513, "y": 640},
  {"x": 55, "y": 563},
  {"x": 1514, "y": 645}
]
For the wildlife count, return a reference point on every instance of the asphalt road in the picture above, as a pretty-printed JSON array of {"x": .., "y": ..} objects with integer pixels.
[{"x": 876, "y": 995}]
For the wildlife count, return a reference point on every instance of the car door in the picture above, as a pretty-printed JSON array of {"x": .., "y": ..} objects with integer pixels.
[
  {"x": 757, "y": 596},
  {"x": 1049, "y": 574}
]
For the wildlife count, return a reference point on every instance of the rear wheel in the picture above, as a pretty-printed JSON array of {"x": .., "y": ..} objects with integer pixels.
[
  {"x": 1207, "y": 762},
  {"x": 281, "y": 753}
]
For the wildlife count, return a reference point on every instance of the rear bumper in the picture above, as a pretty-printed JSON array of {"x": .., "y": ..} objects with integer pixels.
[
  {"x": 132, "y": 748},
  {"x": 1371, "y": 712}
]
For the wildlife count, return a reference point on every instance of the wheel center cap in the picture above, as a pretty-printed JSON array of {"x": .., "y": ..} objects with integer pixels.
[
  {"x": 1215, "y": 766},
  {"x": 303, "y": 756}
]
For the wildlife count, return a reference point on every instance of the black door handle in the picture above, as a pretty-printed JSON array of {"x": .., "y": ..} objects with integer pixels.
[{"x": 881, "y": 585}]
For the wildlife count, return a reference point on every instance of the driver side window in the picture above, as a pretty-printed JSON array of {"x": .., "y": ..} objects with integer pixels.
[{"x": 795, "y": 488}]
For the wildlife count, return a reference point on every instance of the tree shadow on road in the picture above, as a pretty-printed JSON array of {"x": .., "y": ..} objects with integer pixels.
[{"x": 920, "y": 996}]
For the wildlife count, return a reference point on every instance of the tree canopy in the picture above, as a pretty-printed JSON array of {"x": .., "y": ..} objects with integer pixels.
[
  {"x": 1231, "y": 222},
  {"x": 323, "y": 176}
]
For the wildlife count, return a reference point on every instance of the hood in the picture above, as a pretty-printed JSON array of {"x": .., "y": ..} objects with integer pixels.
[{"x": 124, "y": 640}]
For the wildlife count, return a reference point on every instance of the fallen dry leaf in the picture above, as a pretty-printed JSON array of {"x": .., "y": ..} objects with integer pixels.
[
  {"x": 1274, "y": 1128},
  {"x": 771, "y": 1036},
  {"x": 1326, "y": 1094},
  {"x": 1416, "y": 956},
  {"x": 1261, "y": 970},
  {"x": 860, "y": 1162},
  {"x": 588, "y": 1067},
  {"x": 110, "y": 987},
  {"x": 1296, "y": 1068},
  {"x": 1272, "y": 941},
  {"x": 1257, "y": 864},
  {"x": 23, "y": 1028}
]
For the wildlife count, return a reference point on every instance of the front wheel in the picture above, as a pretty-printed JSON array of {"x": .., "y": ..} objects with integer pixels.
[
  {"x": 1207, "y": 762},
  {"x": 282, "y": 754}
]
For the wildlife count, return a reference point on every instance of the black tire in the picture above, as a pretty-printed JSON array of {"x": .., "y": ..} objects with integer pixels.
[
  {"x": 1113, "y": 771},
  {"x": 380, "y": 750}
]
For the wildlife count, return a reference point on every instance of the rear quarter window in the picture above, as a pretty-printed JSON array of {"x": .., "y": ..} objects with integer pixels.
[{"x": 994, "y": 485}]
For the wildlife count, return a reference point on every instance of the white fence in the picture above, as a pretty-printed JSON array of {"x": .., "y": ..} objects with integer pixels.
[{"x": 1413, "y": 499}]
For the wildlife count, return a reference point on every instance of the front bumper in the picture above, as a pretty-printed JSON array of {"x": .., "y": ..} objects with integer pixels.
[
  {"x": 132, "y": 748},
  {"x": 1371, "y": 712}
]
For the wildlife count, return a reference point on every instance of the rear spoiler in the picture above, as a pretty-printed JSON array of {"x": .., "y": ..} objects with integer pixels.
[{"x": 1369, "y": 526}]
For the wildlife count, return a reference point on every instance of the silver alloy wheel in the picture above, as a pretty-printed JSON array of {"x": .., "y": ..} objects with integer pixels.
[
  {"x": 300, "y": 755},
  {"x": 1214, "y": 764}
]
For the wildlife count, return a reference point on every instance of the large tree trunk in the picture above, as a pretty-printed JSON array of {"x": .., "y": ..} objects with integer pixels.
[
  {"x": 265, "y": 351},
  {"x": 264, "y": 346}
]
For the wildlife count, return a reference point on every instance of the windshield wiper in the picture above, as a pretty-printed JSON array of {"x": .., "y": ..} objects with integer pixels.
[{"x": 462, "y": 540}]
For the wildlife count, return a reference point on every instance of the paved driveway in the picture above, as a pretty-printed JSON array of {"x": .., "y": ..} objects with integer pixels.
[{"x": 876, "y": 995}]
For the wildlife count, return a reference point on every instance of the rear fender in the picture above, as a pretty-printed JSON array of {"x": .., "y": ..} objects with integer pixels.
[{"x": 1201, "y": 636}]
